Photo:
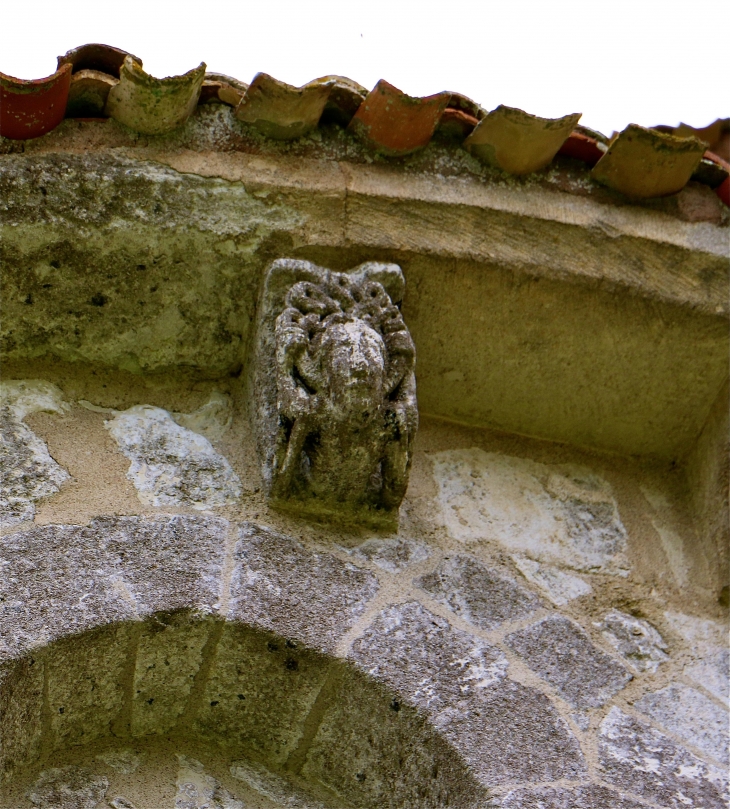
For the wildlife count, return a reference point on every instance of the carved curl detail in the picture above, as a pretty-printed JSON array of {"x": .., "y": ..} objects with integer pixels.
[{"x": 346, "y": 395}]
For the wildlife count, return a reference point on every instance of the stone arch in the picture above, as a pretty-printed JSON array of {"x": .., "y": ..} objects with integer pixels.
[{"x": 235, "y": 697}]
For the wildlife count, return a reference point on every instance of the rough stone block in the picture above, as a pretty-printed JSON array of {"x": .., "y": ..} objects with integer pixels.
[
  {"x": 68, "y": 788},
  {"x": 166, "y": 562},
  {"x": 303, "y": 595},
  {"x": 560, "y": 587},
  {"x": 277, "y": 789},
  {"x": 561, "y": 653},
  {"x": 637, "y": 758},
  {"x": 60, "y": 580},
  {"x": 707, "y": 640},
  {"x": 21, "y": 720},
  {"x": 584, "y": 797},
  {"x": 170, "y": 464},
  {"x": 479, "y": 594},
  {"x": 374, "y": 751},
  {"x": 259, "y": 691},
  {"x": 393, "y": 555},
  {"x": 55, "y": 581},
  {"x": 693, "y": 717},
  {"x": 27, "y": 470},
  {"x": 557, "y": 515},
  {"x": 89, "y": 680},
  {"x": 169, "y": 654},
  {"x": 196, "y": 789},
  {"x": 507, "y": 732},
  {"x": 635, "y": 640}
]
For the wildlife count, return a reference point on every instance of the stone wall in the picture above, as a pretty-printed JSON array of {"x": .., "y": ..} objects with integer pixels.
[{"x": 548, "y": 625}]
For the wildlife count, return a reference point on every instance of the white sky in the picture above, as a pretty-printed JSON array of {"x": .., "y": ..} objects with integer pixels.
[{"x": 641, "y": 61}]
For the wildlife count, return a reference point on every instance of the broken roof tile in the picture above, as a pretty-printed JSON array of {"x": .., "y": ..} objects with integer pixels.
[
  {"x": 153, "y": 106},
  {"x": 583, "y": 147},
  {"x": 281, "y": 111},
  {"x": 88, "y": 94},
  {"x": 643, "y": 163},
  {"x": 395, "y": 123},
  {"x": 517, "y": 142},
  {"x": 104, "y": 58},
  {"x": 456, "y": 124},
  {"x": 344, "y": 100},
  {"x": 30, "y": 108},
  {"x": 219, "y": 87}
]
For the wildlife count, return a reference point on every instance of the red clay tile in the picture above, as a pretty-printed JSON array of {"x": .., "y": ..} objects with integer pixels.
[
  {"x": 281, "y": 111},
  {"x": 643, "y": 163},
  {"x": 582, "y": 147},
  {"x": 104, "y": 58},
  {"x": 456, "y": 124},
  {"x": 153, "y": 106},
  {"x": 395, "y": 123},
  {"x": 517, "y": 142},
  {"x": 29, "y": 109}
]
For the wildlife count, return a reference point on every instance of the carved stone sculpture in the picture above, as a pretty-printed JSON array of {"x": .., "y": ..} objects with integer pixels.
[{"x": 335, "y": 391}]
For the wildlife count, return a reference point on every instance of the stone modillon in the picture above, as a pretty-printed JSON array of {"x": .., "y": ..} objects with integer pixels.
[{"x": 337, "y": 391}]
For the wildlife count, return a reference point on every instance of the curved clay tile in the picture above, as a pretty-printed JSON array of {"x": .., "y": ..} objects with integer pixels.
[
  {"x": 31, "y": 108},
  {"x": 395, "y": 123},
  {"x": 517, "y": 142},
  {"x": 281, "y": 111},
  {"x": 88, "y": 94},
  {"x": 344, "y": 100},
  {"x": 222, "y": 88},
  {"x": 153, "y": 106},
  {"x": 101, "y": 58},
  {"x": 583, "y": 147},
  {"x": 644, "y": 163}
]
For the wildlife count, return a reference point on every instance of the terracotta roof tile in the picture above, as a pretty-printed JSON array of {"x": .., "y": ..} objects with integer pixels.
[
  {"x": 96, "y": 81},
  {"x": 395, "y": 123},
  {"x": 645, "y": 163},
  {"x": 281, "y": 111},
  {"x": 518, "y": 142}
]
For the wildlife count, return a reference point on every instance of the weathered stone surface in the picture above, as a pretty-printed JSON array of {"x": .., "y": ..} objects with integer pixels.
[
  {"x": 689, "y": 714},
  {"x": 259, "y": 691},
  {"x": 560, "y": 587},
  {"x": 335, "y": 390},
  {"x": 198, "y": 790},
  {"x": 272, "y": 786},
  {"x": 393, "y": 555},
  {"x": 507, "y": 732},
  {"x": 124, "y": 761},
  {"x": 27, "y": 470},
  {"x": 87, "y": 684},
  {"x": 479, "y": 594},
  {"x": 59, "y": 580},
  {"x": 211, "y": 420},
  {"x": 707, "y": 640},
  {"x": 635, "y": 640},
  {"x": 310, "y": 597},
  {"x": 68, "y": 788},
  {"x": 172, "y": 465},
  {"x": 122, "y": 245},
  {"x": 639, "y": 759},
  {"x": 21, "y": 707},
  {"x": 562, "y": 654},
  {"x": 554, "y": 514},
  {"x": 169, "y": 654},
  {"x": 51, "y": 586},
  {"x": 584, "y": 797},
  {"x": 375, "y": 751}
]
